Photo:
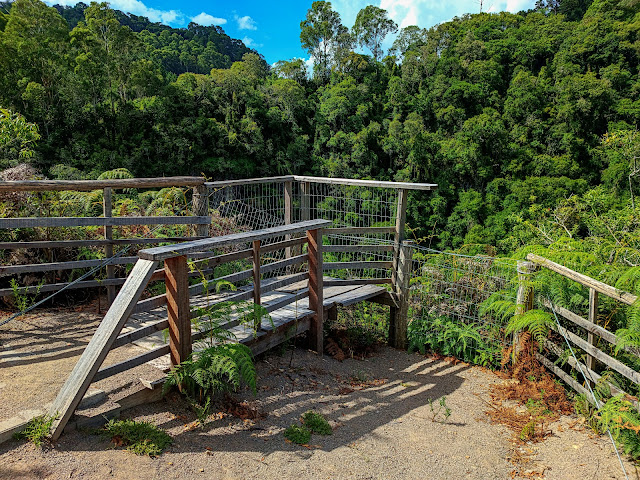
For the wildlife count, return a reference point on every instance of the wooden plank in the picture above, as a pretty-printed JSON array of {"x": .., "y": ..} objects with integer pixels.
[
  {"x": 94, "y": 354},
  {"x": 359, "y": 230},
  {"x": 201, "y": 209},
  {"x": 608, "y": 290},
  {"x": 93, "y": 243},
  {"x": 288, "y": 213},
  {"x": 524, "y": 297},
  {"x": 316, "y": 289},
  {"x": 565, "y": 377},
  {"x": 363, "y": 248},
  {"x": 297, "y": 260},
  {"x": 42, "y": 222},
  {"x": 600, "y": 355},
  {"x": 357, "y": 295},
  {"x": 139, "y": 333},
  {"x": 593, "y": 376},
  {"x": 6, "y": 270},
  {"x": 178, "y": 310},
  {"x": 248, "y": 181},
  {"x": 356, "y": 265},
  {"x": 130, "y": 363},
  {"x": 586, "y": 324},
  {"x": 367, "y": 183},
  {"x": 89, "y": 185},
  {"x": 593, "y": 319},
  {"x": 108, "y": 248},
  {"x": 54, "y": 287},
  {"x": 283, "y": 333},
  {"x": 357, "y": 281},
  {"x": 160, "y": 253}
]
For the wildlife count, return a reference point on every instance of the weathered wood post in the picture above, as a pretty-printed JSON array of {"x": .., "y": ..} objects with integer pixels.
[
  {"x": 400, "y": 275},
  {"x": 107, "y": 208},
  {"x": 399, "y": 315},
  {"x": 256, "y": 281},
  {"x": 305, "y": 201},
  {"x": 200, "y": 209},
  {"x": 593, "y": 318},
  {"x": 177, "y": 282},
  {"x": 316, "y": 292},
  {"x": 524, "y": 296},
  {"x": 288, "y": 204}
]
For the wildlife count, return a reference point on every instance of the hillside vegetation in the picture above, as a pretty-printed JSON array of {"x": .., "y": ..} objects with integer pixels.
[{"x": 526, "y": 121}]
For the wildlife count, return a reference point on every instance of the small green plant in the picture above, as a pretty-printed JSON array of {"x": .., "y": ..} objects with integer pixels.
[
  {"x": 439, "y": 410},
  {"x": 298, "y": 434},
  {"x": 202, "y": 411},
  {"x": 142, "y": 438},
  {"x": 37, "y": 430},
  {"x": 360, "y": 376},
  {"x": 217, "y": 369},
  {"x": 24, "y": 300},
  {"x": 316, "y": 423}
]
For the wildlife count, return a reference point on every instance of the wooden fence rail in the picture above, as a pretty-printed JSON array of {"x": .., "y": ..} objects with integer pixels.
[{"x": 593, "y": 354}]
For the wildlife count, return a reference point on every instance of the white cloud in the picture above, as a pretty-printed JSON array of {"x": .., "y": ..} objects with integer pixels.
[
  {"x": 246, "y": 23},
  {"x": 251, "y": 43},
  {"x": 207, "y": 20}
]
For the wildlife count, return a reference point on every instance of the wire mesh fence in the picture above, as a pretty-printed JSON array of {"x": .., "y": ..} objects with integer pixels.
[{"x": 445, "y": 298}]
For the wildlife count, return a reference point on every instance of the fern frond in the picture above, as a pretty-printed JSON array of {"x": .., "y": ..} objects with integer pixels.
[{"x": 537, "y": 322}]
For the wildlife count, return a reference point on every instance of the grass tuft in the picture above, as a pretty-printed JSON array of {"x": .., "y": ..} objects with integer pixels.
[
  {"x": 37, "y": 430},
  {"x": 316, "y": 423},
  {"x": 142, "y": 438},
  {"x": 296, "y": 434}
]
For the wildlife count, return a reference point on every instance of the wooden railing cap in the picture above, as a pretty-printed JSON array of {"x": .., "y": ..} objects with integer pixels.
[
  {"x": 88, "y": 185},
  {"x": 162, "y": 253}
]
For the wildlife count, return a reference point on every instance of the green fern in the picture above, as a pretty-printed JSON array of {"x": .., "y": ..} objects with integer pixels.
[
  {"x": 537, "y": 322},
  {"x": 218, "y": 369},
  {"x": 620, "y": 418}
]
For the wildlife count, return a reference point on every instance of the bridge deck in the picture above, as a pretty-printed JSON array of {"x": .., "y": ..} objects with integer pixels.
[{"x": 288, "y": 308}]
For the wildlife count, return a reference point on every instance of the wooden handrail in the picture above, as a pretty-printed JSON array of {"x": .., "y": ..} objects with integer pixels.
[
  {"x": 162, "y": 253},
  {"x": 88, "y": 185},
  {"x": 367, "y": 183},
  {"x": 608, "y": 290}
]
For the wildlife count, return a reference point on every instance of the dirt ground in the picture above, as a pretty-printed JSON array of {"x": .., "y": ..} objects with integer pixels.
[{"x": 383, "y": 425}]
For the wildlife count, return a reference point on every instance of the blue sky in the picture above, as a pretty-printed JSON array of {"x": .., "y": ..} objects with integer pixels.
[{"x": 273, "y": 28}]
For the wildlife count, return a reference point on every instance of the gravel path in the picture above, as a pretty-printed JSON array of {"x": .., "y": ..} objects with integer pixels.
[{"x": 383, "y": 429}]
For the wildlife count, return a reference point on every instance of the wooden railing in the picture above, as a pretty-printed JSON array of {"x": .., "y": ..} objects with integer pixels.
[
  {"x": 589, "y": 325},
  {"x": 200, "y": 221},
  {"x": 108, "y": 337}
]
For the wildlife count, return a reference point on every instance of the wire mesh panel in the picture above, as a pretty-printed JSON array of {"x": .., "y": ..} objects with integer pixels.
[
  {"x": 358, "y": 207},
  {"x": 446, "y": 294}
]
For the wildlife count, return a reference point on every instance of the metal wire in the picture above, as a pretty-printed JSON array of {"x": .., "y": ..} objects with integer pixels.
[{"x": 588, "y": 381}]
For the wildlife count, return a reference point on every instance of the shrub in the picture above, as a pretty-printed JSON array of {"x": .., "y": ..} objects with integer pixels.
[{"x": 142, "y": 438}]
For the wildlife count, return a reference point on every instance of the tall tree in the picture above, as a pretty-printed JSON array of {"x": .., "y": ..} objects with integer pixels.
[
  {"x": 318, "y": 34},
  {"x": 372, "y": 26}
]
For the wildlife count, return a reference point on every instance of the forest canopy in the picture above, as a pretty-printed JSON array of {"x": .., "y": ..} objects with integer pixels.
[{"x": 527, "y": 122}]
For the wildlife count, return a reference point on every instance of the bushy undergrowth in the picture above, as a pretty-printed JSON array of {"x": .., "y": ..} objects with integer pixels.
[{"x": 452, "y": 338}]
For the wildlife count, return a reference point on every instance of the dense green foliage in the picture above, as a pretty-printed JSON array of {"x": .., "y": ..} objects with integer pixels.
[{"x": 506, "y": 112}]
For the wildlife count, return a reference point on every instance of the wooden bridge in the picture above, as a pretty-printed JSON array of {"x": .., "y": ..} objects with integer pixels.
[{"x": 282, "y": 298}]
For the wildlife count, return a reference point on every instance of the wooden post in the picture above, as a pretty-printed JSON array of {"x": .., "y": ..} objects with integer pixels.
[
  {"x": 80, "y": 378},
  {"x": 256, "y": 280},
  {"x": 107, "y": 209},
  {"x": 401, "y": 219},
  {"x": 305, "y": 201},
  {"x": 399, "y": 317},
  {"x": 177, "y": 282},
  {"x": 288, "y": 193},
  {"x": 524, "y": 296},
  {"x": 593, "y": 318},
  {"x": 316, "y": 292},
  {"x": 200, "y": 209}
]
